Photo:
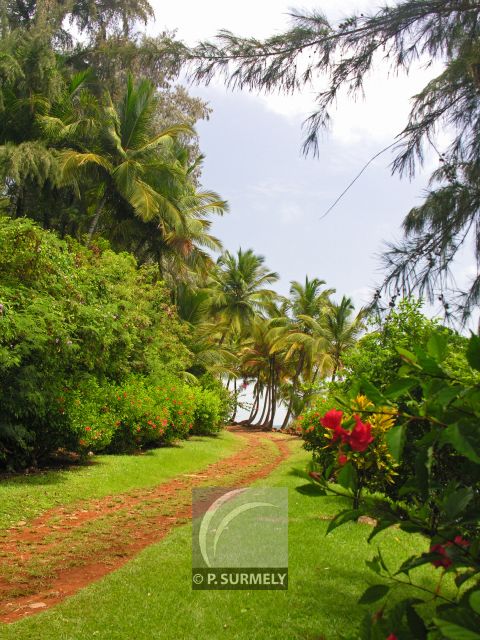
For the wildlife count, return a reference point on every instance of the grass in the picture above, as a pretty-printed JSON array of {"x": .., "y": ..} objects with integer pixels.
[
  {"x": 151, "y": 597},
  {"x": 24, "y": 497}
]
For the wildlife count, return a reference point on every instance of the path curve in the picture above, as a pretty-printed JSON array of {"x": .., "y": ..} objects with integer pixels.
[{"x": 47, "y": 562}]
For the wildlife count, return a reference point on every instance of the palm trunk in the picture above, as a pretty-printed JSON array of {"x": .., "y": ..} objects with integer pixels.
[
  {"x": 289, "y": 411},
  {"x": 255, "y": 406},
  {"x": 265, "y": 405},
  {"x": 274, "y": 394},
  {"x": 296, "y": 377},
  {"x": 232, "y": 419},
  {"x": 96, "y": 218},
  {"x": 334, "y": 372}
]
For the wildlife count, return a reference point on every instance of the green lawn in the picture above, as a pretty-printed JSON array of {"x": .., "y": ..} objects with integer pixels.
[
  {"x": 151, "y": 598},
  {"x": 24, "y": 497}
]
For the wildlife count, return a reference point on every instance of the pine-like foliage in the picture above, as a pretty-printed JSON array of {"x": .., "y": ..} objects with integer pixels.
[{"x": 398, "y": 36}]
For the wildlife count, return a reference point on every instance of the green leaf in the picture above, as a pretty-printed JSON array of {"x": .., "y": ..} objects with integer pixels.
[
  {"x": 461, "y": 578},
  {"x": 347, "y": 477},
  {"x": 453, "y": 631},
  {"x": 446, "y": 394},
  {"x": 371, "y": 391},
  {"x": 416, "y": 561},
  {"x": 465, "y": 438},
  {"x": 429, "y": 365},
  {"x": 474, "y": 601},
  {"x": 395, "y": 439},
  {"x": 457, "y": 501},
  {"x": 407, "y": 356},
  {"x": 437, "y": 346},
  {"x": 374, "y": 565},
  {"x": 381, "y": 526},
  {"x": 399, "y": 387},
  {"x": 416, "y": 624},
  {"x": 342, "y": 518},
  {"x": 423, "y": 466},
  {"x": 473, "y": 352},
  {"x": 373, "y": 594}
]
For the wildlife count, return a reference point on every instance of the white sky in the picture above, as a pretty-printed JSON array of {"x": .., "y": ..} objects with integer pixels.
[{"x": 252, "y": 147}]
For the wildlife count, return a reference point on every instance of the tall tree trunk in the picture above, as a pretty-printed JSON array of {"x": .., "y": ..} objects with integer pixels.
[
  {"x": 295, "y": 380},
  {"x": 256, "y": 404},
  {"x": 274, "y": 393},
  {"x": 286, "y": 420},
  {"x": 265, "y": 406},
  {"x": 232, "y": 419},
  {"x": 334, "y": 372},
  {"x": 96, "y": 218},
  {"x": 19, "y": 206}
]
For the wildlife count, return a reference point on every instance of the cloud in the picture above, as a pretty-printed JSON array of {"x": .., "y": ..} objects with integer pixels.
[{"x": 290, "y": 213}]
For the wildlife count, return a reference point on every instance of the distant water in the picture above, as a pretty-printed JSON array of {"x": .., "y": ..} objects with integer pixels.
[{"x": 247, "y": 396}]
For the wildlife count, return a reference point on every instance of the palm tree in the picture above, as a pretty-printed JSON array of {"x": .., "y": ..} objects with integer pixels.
[
  {"x": 238, "y": 290},
  {"x": 304, "y": 346},
  {"x": 132, "y": 168},
  {"x": 261, "y": 363},
  {"x": 193, "y": 307},
  {"x": 341, "y": 330}
]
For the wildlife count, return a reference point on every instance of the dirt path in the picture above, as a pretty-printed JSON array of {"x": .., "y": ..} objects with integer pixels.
[{"x": 67, "y": 548}]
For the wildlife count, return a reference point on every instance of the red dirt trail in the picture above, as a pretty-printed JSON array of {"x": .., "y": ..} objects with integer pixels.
[{"x": 49, "y": 561}]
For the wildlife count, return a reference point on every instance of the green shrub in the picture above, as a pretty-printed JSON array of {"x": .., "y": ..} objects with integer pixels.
[
  {"x": 68, "y": 314},
  {"x": 208, "y": 416},
  {"x": 91, "y": 353},
  {"x": 90, "y": 415},
  {"x": 440, "y": 501}
]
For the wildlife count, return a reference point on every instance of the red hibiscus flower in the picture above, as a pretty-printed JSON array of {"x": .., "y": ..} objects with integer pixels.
[
  {"x": 342, "y": 459},
  {"x": 443, "y": 559},
  {"x": 360, "y": 436},
  {"x": 459, "y": 541},
  {"x": 333, "y": 420}
]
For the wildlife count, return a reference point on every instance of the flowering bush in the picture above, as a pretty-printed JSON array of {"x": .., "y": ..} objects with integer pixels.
[
  {"x": 444, "y": 509},
  {"x": 138, "y": 414},
  {"x": 339, "y": 438},
  {"x": 68, "y": 313},
  {"x": 143, "y": 415},
  {"x": 89, "y": 413}
]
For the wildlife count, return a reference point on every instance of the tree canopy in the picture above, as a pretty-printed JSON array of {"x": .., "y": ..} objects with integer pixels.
[{"x": 400, "y": 36}]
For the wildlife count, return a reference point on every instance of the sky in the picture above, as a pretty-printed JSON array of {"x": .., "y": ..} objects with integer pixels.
[{"x": 252, "y": 145}]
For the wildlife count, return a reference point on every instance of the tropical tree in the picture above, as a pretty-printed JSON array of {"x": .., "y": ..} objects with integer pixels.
[
  {"x": 193, "y": 307},
  {"x": 261, "y": 363},
  {"x": 304, "y": 346},
  {"x": 238, "y": 290},
  {"x": 341, "y": 330},
  {"x": 396, "y": 36},
  {"x": 119, "y": 152}
]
